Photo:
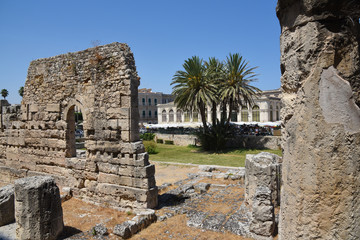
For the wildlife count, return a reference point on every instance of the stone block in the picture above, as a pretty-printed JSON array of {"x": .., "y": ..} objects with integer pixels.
[
  {"x": 100, "y": 230},
  {"x": 76, "y": 163},
  {"x": 108, "y": 168},
  {"x": 38, "y": 209},
  {"x": 144, "y": 172},
  {"x": 33, "y": 108},
  {"x": 133, "y": 147},
  {"x": 264, "y": 170},
  {"x": 264, "y": 229},
  {"x": 7, "y": 207},
  {"x": 126, "y": 170},
  {"x": 262, "y": 219},
  {"x": 126, "y": 229},
  {"x": 53, "y": 107}
]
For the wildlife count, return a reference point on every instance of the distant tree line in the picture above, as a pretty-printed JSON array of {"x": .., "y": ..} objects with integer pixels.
[{"x": 5, "y": 92}]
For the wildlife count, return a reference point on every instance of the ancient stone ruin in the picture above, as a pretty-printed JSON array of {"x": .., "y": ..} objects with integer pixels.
[
  {"x": 262, "y": 193},
  {"x": 38, "y": 210},
  {"x": 102, "y": 83},
  {"x": 320, "y": 67}
]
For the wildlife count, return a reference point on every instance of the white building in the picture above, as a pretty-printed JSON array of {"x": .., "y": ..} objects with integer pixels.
[
  {"x": 266, "y": 108},
  {"x": 148, "y": 102}
]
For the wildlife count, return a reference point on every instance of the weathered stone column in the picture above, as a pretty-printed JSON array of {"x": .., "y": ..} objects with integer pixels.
[
  {"x": 262, "y": 170},
  {"x": 320, "y": 197},
  {"x": 38, "y": 210}
]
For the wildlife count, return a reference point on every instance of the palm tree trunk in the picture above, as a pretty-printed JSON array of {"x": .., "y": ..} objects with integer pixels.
[
  {"x": 203, "y": 117},
  {"x": 230, "y": 110},
  {"x": 213, "y": 113},
  {"x": 223, "y": 111}
]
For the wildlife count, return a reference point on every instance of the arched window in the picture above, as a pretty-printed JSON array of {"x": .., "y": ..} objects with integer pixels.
[
  {"x": 178, "y": 116},
  {"x": 256, "y": 114},
  {"x": 143, "y": 101},
  {"x": 150, "y": 113},
  {"x": 277, "y": 113},
  {"x": 233, "y": 116},
  {"x": 271, "y": 114},
  {"x": 244, "y": 114},
  {"x": 195, "y": 116},
  {"x": 143, "y": 114},
  {"x": 234, "y": 111},
  {"x": 163, "y": 115},
  {"x": 155, "y": 101},
  {"x": 186, "y": 117},
  {"x": 171, "y": 116},
  {"x": 149, "y": 101}
]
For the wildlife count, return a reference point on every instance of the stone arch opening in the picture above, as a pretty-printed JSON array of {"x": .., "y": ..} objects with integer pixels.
[{"x": 74, "y": 134}]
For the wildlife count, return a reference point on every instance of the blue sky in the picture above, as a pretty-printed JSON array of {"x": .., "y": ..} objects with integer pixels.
[{"x": 161, "y": 34}]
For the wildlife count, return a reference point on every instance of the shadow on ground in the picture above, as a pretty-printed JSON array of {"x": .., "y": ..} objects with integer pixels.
[{"x": 68, "y": 232}]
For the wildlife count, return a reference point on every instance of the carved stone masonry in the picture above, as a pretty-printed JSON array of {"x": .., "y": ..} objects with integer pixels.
[
  {"x": 102, "y": 83},
  {"x": 320, "y": 81}
]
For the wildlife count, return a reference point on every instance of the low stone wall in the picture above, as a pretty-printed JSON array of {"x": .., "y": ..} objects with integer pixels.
[
  {"x": 179, "y": 139},
  {"x": 258, "y": 142}
]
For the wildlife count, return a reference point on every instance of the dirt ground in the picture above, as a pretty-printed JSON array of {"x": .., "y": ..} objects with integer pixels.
[
  {"x": 81, "y": 217},
  {"x": 171, "y": 173},
  {"x": 176, "y": 228}
]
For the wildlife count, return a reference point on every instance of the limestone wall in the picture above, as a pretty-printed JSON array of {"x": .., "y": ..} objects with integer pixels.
[
  {"x": 102, "y": 82},
  {"x": 320, "y": 81},
  {"x": 179, "y": 139},
  {"x": 258, "y": 142}
]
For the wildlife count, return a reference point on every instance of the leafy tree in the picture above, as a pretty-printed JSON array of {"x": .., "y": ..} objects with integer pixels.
[
  {"x": 21, "y": 91},
  {"x": 237, "y": 89},
  {"x": 4, "y": 93},
  {"x": 192, "y": 89}
]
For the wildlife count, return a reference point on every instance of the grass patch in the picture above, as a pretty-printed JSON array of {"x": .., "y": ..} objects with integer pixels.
[
  {"x": 191, "y": 154},
  {"x": 151, "y": 147}
]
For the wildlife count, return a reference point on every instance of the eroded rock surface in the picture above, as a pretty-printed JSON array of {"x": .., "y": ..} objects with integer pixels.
[
  {"x": 38, "y": 210},
  {"x": 262, "y": 170},
  {"x": 320, "y": 81},
  {"x": 7, "y": 206}
]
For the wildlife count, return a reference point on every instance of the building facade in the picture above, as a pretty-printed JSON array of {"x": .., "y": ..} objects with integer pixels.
[
  {"x": 266, "y": 108},
  {"x": 148, "y": 102}
]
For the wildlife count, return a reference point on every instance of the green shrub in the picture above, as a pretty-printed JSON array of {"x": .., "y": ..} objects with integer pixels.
[
  {"x": 147, "y": 136},
  {"x": 217, "y": 136},
  {"x": 159, "y": 140},
  {"x": 169, "y": 142},
  {"x": 192, "y": 146},
  {"x": 150, "y": 147}
]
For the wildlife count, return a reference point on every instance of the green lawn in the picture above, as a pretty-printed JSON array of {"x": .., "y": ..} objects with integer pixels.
[{"x": 233, "y": 158}]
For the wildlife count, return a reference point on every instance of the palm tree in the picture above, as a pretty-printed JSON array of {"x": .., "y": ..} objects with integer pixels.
[
  {"x": 236, "y": 89},
  {"x": 214, "y": 73},
  {"x": 21, "y": 91},
  {"x": 192, "y": 89},
  {"x": 4, "y": 93}
]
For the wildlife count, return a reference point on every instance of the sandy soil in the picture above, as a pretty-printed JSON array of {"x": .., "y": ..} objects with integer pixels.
[{"x": 169, "y": 173}]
